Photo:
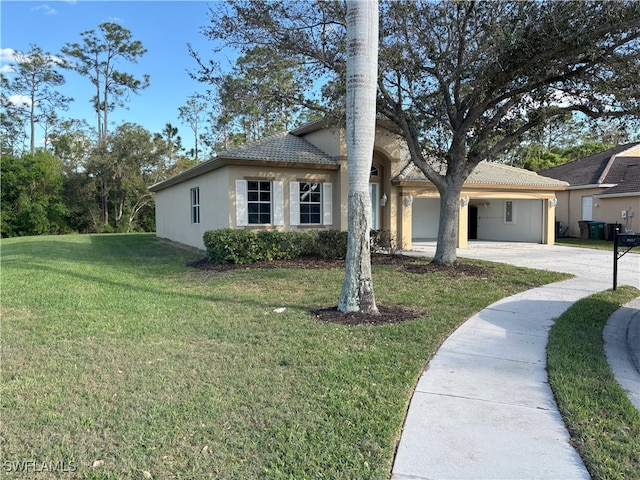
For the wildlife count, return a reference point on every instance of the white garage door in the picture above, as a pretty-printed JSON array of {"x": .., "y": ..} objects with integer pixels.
[
  {"x": 425, "y": 214},
  {"x": 501, "y": 220},
  {"x": 505, "y": 220}
]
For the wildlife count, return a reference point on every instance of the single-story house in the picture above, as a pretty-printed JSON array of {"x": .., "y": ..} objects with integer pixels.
[
  {"x": 604, "y": 187},
  {"x": 298, "y": 181}
]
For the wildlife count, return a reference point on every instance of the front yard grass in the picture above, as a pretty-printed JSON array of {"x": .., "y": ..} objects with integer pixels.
[
  {"x": 594, "y": 244},
  {"x": 602, "y": 421},
  {"x": 119, "y": 362}
]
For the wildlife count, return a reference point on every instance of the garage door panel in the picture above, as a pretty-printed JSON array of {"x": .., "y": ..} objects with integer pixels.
[
  {"x": 425, "y": 215},
  {"x": 525, "y": 227}
]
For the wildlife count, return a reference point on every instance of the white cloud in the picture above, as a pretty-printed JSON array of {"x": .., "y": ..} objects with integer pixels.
[
  {"x": 7, "y": 55},
  {"x": 6, "y": 69},
  {"x": 19, "y": 100},
  {"x": 45, "y": 9}
]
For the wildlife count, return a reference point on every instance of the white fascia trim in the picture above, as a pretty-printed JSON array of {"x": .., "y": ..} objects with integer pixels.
[
  {"x": 595, "y": 185},
  {"x": 614, "y": 195}
]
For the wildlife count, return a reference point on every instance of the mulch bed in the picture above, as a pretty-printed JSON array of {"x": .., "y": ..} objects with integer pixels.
[{"x": 387, "y": 314}]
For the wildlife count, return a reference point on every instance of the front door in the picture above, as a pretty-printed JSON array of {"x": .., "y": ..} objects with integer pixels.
[{"x": 473, "y": 222}]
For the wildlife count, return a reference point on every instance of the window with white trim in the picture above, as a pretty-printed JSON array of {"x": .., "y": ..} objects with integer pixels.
[
  {"x": 310, "y": 203},
  {"x": 259, "y": 202},
  {"x": 195, "y": 205}
]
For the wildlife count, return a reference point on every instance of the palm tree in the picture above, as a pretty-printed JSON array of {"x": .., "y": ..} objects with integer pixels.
[{"x": 362, "y": 72}]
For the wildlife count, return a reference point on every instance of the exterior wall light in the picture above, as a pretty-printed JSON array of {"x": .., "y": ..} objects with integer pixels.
[
  {"x": 383, "y": 200},
  {"x": 553, "y": 202}
]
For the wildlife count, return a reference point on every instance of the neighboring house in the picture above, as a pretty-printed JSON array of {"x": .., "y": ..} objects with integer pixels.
[
  {"x": 298, "y": 181},
  {"x": 604, "y": 187}
]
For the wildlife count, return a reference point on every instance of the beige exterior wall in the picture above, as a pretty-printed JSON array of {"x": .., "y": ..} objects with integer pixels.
[
  {"x": 173, "y": 209},
  {"x": 604, "y": 209},
  {"x": 632, "y": 152},
  {"x": 331, "y": 141},
  {"x": 610, "y": 210}
]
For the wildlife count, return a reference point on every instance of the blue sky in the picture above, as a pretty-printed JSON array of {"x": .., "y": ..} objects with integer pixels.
[{"x": 163, "y": 27}]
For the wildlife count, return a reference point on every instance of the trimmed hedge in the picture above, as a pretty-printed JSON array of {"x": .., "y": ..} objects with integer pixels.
[
  {"x": 231, "y": 246},
  {"x": 243, "y": 246},
  {"x": 330, "y": 244}
]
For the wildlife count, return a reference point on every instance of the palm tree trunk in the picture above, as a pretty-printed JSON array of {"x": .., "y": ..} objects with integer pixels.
[{"x": 362, "y": 71}]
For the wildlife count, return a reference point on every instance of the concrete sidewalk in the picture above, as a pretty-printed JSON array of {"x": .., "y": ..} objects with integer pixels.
[{"x": 483, "y": 408}]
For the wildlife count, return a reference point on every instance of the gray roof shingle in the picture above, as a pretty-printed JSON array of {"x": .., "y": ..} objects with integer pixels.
[
  {"x": 630, "y": 182},
  {"x": 592, "y": 170}
]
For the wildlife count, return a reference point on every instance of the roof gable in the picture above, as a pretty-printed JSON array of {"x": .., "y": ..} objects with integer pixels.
[
  {"x": 630, "y": 179},
  {"x": 602, "y": 168}
]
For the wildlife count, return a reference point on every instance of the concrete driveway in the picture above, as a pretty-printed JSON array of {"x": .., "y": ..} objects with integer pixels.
[{"x": 595, "y": 265}]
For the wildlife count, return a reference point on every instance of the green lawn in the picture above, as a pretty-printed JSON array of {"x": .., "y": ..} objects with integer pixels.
[
  {"x": 121, "y": 362},
  {"x": 595, "y": 244},
  {"x": 603, "y": 422}
]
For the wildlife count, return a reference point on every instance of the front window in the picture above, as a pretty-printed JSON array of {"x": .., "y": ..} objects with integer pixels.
[
  {"x": 259, "y": 202},
  {"x": 310, "y": 203},
  {"x": 195, "y": 205},
  {"x": 373, "y": 192}
]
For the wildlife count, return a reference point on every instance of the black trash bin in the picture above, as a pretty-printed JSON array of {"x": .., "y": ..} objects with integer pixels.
[{"x": 610, "y": 230}]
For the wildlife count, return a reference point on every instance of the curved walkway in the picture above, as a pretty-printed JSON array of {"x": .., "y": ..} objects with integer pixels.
[{"x": 483, "y": 408}]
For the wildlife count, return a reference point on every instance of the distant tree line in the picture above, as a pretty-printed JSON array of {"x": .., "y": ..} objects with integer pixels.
[{"x": 94, "y": 179}]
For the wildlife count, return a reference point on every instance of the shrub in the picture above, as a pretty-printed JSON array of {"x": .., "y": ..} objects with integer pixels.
[
  {"x": 296, "y": 244},
  {"x": 382, "y": 242},
  {"x": 242, "y": 247},
  {"x": 331, "y": 244},
  {"x": 231, "y": 246}
]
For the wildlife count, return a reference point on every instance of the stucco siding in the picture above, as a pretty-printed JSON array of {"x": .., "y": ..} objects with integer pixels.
[
  {"x": 609, "y": 210},
  {"x": 173, "y": 209}
]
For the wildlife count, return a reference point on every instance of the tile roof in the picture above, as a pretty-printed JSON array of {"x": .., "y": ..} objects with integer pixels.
[
  {"x": 490, "y": 174},
  {"x": 282, "y": 147}
]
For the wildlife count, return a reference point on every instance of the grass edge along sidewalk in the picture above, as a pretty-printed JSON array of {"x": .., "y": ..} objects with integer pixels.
[{"x": 603, "y": 423}]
